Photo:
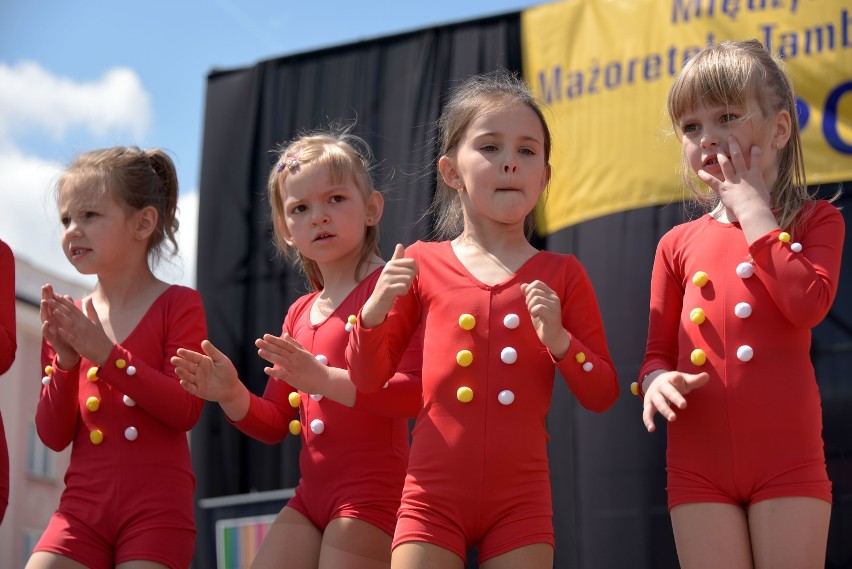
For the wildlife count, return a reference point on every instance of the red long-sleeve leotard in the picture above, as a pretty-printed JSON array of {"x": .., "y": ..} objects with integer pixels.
[
  {"x": 482, "y": 462},
  {"x": 758, "y": 416},
  {"x": 127, "y": 422},
  {"x": 356, "y": 461}
]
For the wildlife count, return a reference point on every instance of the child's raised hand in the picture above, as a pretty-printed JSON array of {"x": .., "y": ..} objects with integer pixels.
[
  {"x": 66, "y": 356},
  {"x": 81, "y": 329},
  {"x": 210, "y": 375},
  {"x": 545, "y": 308},
  {"x": 743, "y": 188},
  {"x": 294, "y": 364},
  {"x": 665, "y": 390},
  {"x": 395, "y": 280}
]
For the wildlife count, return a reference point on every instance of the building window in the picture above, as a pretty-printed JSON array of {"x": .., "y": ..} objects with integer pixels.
[{"x": 39, "y": 457}]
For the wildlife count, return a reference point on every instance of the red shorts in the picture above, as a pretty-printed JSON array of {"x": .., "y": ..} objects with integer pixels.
[
  {"x": 141, "y": 539},
  {"x": 808, "y": 480},
  {"x": 321, "y": 510},
  {"x": 423, "y": 523}
]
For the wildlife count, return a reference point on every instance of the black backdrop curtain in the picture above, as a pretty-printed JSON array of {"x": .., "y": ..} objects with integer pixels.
[{"x": 608, "y": 474}]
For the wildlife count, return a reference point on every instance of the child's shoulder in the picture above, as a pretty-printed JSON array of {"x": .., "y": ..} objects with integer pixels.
[
  {"x": 821, "y": 220},
  {"x": 179, "y": 295},
  {"x": 818, "y": 210},
  {"x": 180, "y": 291},
  {"x": 551, "y": 256},
  {"x": 177, "y": 302},
  {"x": 429, "y": 247},
  {"x": 689, "y": 229},
  {"x": 426, "y": 250},
  {"x": 549, "y": 265},
  {"x": 545, "y": 257}
]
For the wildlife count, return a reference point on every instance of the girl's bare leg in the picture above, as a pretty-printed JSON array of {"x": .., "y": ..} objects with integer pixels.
[
  {"x": 788, "y": 533},
  {"x": 710, "y": 535}
]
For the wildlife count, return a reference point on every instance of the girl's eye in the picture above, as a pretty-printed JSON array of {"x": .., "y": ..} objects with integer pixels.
[
  {"x": 90, "y": 214},
  {"x": 65, "y": 221},
  {"x": 337, "y": 198},
  {"x": 730, "y": 117},
  {"x": 527, "y": 151},
  {"x": 488, "y": 147},
  {"x": 298, "y": 209},
  {"x": 691, "y": 127}
]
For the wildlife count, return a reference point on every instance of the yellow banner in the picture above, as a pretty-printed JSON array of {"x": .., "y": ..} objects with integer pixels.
[{"x": 603, "y": 69}]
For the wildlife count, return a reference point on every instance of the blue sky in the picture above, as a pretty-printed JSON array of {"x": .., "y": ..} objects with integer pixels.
[{"x": 78, "y": 75}]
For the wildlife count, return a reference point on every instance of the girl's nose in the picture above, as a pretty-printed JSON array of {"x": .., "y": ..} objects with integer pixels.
[
  {"x": 709, "y": 141},
  {"x": 72, "y": 230},
  {"x": 510, "y": 166},
  {"x": 319, "y": 216}
]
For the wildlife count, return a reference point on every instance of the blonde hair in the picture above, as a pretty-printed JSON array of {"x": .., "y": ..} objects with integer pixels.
[
  {"x": 475, "y": 95},
  {"x": 731, "y": 74},
  {"x": 346, "y": 157},
  {"x": 136, "y": 179}
]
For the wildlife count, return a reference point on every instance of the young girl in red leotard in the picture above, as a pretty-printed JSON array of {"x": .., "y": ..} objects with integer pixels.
[
  {"x": 499, "y": 316},
  {"x": 109, "y": 388},
  {"x": 734, "y": 295},
  {"x": 354, "y": 446}
]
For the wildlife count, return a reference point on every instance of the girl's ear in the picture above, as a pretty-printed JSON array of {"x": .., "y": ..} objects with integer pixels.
[
  {"x": 448, "y": 171},
  {"x": 374, "y": 207},
  {"x": 782, "y": 128},
  {"x": 145, "y": 222}
]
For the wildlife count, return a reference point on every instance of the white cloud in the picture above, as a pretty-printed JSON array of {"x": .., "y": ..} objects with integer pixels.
[{"x": 31, "y": 97}]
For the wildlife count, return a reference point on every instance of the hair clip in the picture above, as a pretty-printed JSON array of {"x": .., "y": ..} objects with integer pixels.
[{"x": 291, "y": 163}]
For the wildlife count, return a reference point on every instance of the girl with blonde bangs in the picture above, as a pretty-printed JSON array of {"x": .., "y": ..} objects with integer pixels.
[
  {"x": 346, "y": 157},
  {"x": 724, "y": 77},
  {"x": 354, "y": 447},
  {"x": 734, "y": 296}
]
